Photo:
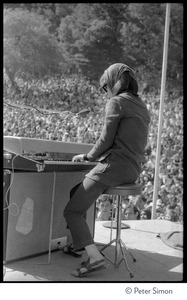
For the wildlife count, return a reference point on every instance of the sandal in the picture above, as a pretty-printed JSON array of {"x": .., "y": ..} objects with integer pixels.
[
  {"x": 83, "y": 263},
  {"x": 70, "y": 251},
  {"x": 89, "y": 267}
]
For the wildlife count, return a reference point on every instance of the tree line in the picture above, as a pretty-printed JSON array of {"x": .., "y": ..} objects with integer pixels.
[{"x": 85, "y": 38}]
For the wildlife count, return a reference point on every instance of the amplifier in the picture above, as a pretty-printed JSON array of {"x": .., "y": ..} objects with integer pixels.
[{"x": 16, "y": 162}]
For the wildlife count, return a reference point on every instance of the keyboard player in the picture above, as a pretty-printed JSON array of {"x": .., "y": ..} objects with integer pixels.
[{"x": 120, "y": 152}]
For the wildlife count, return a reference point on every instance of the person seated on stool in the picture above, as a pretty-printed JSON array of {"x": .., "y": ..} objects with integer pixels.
[{"x": 119, "y": 151}]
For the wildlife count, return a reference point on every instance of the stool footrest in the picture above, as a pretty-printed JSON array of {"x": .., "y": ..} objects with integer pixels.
[{"x": 114, "y": 225}]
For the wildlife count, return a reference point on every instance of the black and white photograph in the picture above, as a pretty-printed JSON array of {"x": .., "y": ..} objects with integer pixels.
[{"x": 93, "y": 146}]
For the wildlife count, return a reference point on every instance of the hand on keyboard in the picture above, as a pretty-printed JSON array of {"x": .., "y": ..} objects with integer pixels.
[{"x": 78, "y": 158}]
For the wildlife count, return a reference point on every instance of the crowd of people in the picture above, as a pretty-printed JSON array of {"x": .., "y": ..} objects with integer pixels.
[
  {"x": 48, "y": 109},
  {"x": 138, "y": 208}
]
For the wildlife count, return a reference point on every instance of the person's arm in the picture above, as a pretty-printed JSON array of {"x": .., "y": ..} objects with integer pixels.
[{"x": 112, "y": 119}]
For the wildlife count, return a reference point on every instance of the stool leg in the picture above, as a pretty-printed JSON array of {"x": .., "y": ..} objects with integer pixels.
[
  {"x": 112, "y": 218},
  {"x": 119, "y": 235},
  {"x": 124, "y": 258},
  {"x": 119, "y": 243},
  {"x": 118, "y": 232},
  {"x": 134, "y": 259}
]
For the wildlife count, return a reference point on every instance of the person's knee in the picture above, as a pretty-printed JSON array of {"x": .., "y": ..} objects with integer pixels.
[
  {"x": 73, "y": 190},
  {"x": 67, "y": 216},
  {"x": 66, "y": 212}
]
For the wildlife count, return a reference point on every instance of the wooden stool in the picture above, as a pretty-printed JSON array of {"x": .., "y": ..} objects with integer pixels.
[{"x": 122, "y": 190}]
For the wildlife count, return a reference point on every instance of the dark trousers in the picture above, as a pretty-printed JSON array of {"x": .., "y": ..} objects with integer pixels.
[{"x": 82, "y": 196}]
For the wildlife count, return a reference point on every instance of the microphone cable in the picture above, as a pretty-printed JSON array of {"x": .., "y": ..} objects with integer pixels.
[{"x": 83, "y": 112}]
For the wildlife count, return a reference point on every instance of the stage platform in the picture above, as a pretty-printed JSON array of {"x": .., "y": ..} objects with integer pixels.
[{"x": 156, "y": 261}]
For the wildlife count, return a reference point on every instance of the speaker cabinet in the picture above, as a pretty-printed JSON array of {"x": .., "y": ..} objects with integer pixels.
[{"x": 28, "y": 220}]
